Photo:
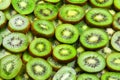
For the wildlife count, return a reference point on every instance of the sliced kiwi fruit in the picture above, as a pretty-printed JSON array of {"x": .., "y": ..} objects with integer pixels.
[
  {"x": 81, "y": 2},
  {"x": 99, "y": 17},
  {"x": 4, "y": 53},
  {"x": 23, "y": 6},
  {"x": 117, "y": 5},
  {"x": 71, "y": 13},
  {"x": 3, "y": 19},
  {"x": 87, "y": 7},
  {"x": 46, "y": 11},
  {"x": 64, "y": 53},
  {"x": 32, "y": 18},
  {"x": 43, "y": 28},
  {"x": 65, "y": 73},
  {"x": 110, "y": 76},
  {"x": 66, "y": 33},
  {"x": 52, "y": 1},
  {"x": 9, "y": 66},
  {"x": 0, "y": 40},
  {"x": 86, "y": 76},
  {"x": 94, "y": 38},
  {"x": 39, "y": 69},
  {"x": 4, "y": 31},
  {"x": 99, "y": 74},
  {"x": 102, "y": 3},
  {"x": 116, "y": 21},
  {"x": 40, "y": 47},
  {"x": 15, "y": 42},
  {"x": 91, "y": 62},
  {"x": 4, "y": 4},
  {"x": 110, "y": 32}
]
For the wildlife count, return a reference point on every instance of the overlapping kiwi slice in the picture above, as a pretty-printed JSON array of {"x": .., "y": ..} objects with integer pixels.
[
  {"x": 26, "y": 57},
  {"x": 71, "y": 13},
  {"x": 4, "y": 4},
  {"x": 117, "y": 5},
  {"x": 2, "y": 19},
  {"x": 39, "y": 69},
  {"x": 9, "y": 67},
  {"x": 99, "y": 17},
  {"x": 91, "y": 62},
  {"x": 52, "y": 1},
  {"x": 116, "y": 21},
  {"x": 77, "y": 1},
  {"x": 4, "y": 31},
  {"x": 4, "y": 53}
]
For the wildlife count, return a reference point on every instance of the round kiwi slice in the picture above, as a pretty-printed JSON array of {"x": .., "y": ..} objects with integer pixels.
[
  {"x": 101, "y": 3},
  {"x": 23, "y": 6},
  {"x": 40, "y": 47},
  {"x": 117, "y": 5},
  {"x": 46, "y": 11},
  {"x": 9, "y": 66},
  {"x": 77, "y": 1},
  {"x": 19, "y": 23},
  {"x": 110, "y": 76},
  {"x": 52, "y": 1},
  {"x": 43, "y": 28},
  {"x": 71, "y": 13},
  {"x": 15, "y": 42},
  {"x": 39, "y": 69},
  {"x": 86, "y": 76},
  {"x": 64, "y": 53},
  {"x": 94, "y": 38},
  {"x": 65, "y": 73},
  {"x": 3, "y": 19},
  {"x": 91, "y": 62},
  {"x": 116, "y": 21},
  {"x": 113, "y": 61},
  {"x": 99, "y": 17},
  {"x": 115, "y": 41},
  {"x": 4, "y": 4},
  {"x": 66, "y": 33}
]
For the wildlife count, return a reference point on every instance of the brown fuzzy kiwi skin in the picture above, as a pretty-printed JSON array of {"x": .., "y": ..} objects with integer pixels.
[{"x": 67, "y": 1}]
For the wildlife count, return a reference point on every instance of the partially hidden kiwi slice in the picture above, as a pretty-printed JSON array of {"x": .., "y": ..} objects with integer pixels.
[
  {"x": 43, "y": 28},
  {"x": 110, "y": 76},
  {"x": 39, "y": 69},
  {"x": 71, "y": 13},
  {"x": 0, "y": 40},
  {"x": 66, "y": 33},
  {"x": 52, "y": 1},
  {"x": 3, "y": 19},
  {"x": 99, "y": 17},
  {"x": 30, "y": 36},
  {"x": 9, "y": 66},
  {"x": 94, "y": 38},
  {"x": 91, "y": 62},
  {"x": 4, "y": 53},
  {"x": 19, "y": 23},
  {"x": 46, "y": 11},
  {"x": 77, "y": 1},
  {"x": 15, "y": 42},
  {"x": 23, "y": 6},
  {"x": 4, "y": 31},
  {"x": 40, "y": 47},
  {"x": 4, "y": 4},
  {"x": 65, "y": 73},
  {"x": 116, "y": 21},
  {"x": 117, "y": 5},
  {"x": 64, "y": 53},
  {"x": 86, "y": 76},
  {"x": 102, "y": 3}
]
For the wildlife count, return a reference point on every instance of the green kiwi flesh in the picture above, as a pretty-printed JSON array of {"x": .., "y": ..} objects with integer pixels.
[
  {"x": 116, "y": 21},
  {"x": 4, "y": 4},
  {"x": 77, "y": 1},
  {"x": 26, "y": 57},
  {"x": 2, "y": 19},
  {"x": 52, "y": 1},
  {"x": 117, "y": 5}
]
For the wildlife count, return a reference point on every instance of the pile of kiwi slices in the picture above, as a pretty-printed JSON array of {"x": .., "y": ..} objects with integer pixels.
[{"x": 59, "y": 39}]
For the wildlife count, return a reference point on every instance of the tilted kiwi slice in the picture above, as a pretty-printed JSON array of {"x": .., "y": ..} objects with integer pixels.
[
  {"x": 43, "y": 28},
  {"x": 2, "y": 19},
  {"x": 52, "y": 1},
  {"x": 9, "y": 66},
  {"x": 71, "y": 13},
  {"x": 15, "y": 42},
  {"x": 117, "y": 5},
  {"x": 4, "y": 53},
  {"x": 99, "y": 17},
  {"x": 38, "y": 69},
  {"x": 110, "y": 76},
  {"x": 86, "y": 76},
  {"x": 23, "y": 6},
  {"x": 66, "y": 33},
  {"x": 65, "y": 73},
  {"x": 101, "y": 3},
  {"x": 64, "y": 53},
  {"x": 116, "y": 21},
  {"x": 4, "y": 4},
  {"x": 46, "y": 11},
  {"x": 91, "y": 62},
  {"x": 77, "y": 1},
  {"x": 40, "y": 47},
  {"x": 94, "y": 38},
  {"x": 4, "y": 31}
]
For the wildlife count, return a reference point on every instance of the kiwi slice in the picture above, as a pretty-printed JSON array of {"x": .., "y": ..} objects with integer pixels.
[
  {"x": 71, "y": 13},
  {"x": 15, "y": 42},
  {"x": 110, "y": 32},
  {"x": 19, "y": 23},
  {"x": 77, "y": 1},
  {"x": 52, "y": 1},
  {"x": 39, "y": 69},
  {"x": 110, "y": 76},
  {"x": 86, "y": 76},
  {"x": 4, "y": 53},
  {"x": 4, "y": 31},
  {"x": 40, "y": 47},
  {"x": 94, "y": 38},
  {"x": 117, "y": 5},
  {"x": 66, "y": 33},
  {"x": 23, "y": 6},
  {"x": 65, "y": 73},
  {"x": 9, "y": 66},
  {"x": 46, "y": 11},
  {"x": 64, "y": 53},
  {"x": 91, "y": 62},
  {"x": 101, "y": 3},
  {"x": 4, "y": 4},
  {"x": 43, "y": 28},
  {"x": 99, "y": 74},
  {"x": 3, "y": 19},
  {"x": 116, "y": 21},
  {"x": 99, "y": 17},
  {"x": 30, "y": 36}
]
